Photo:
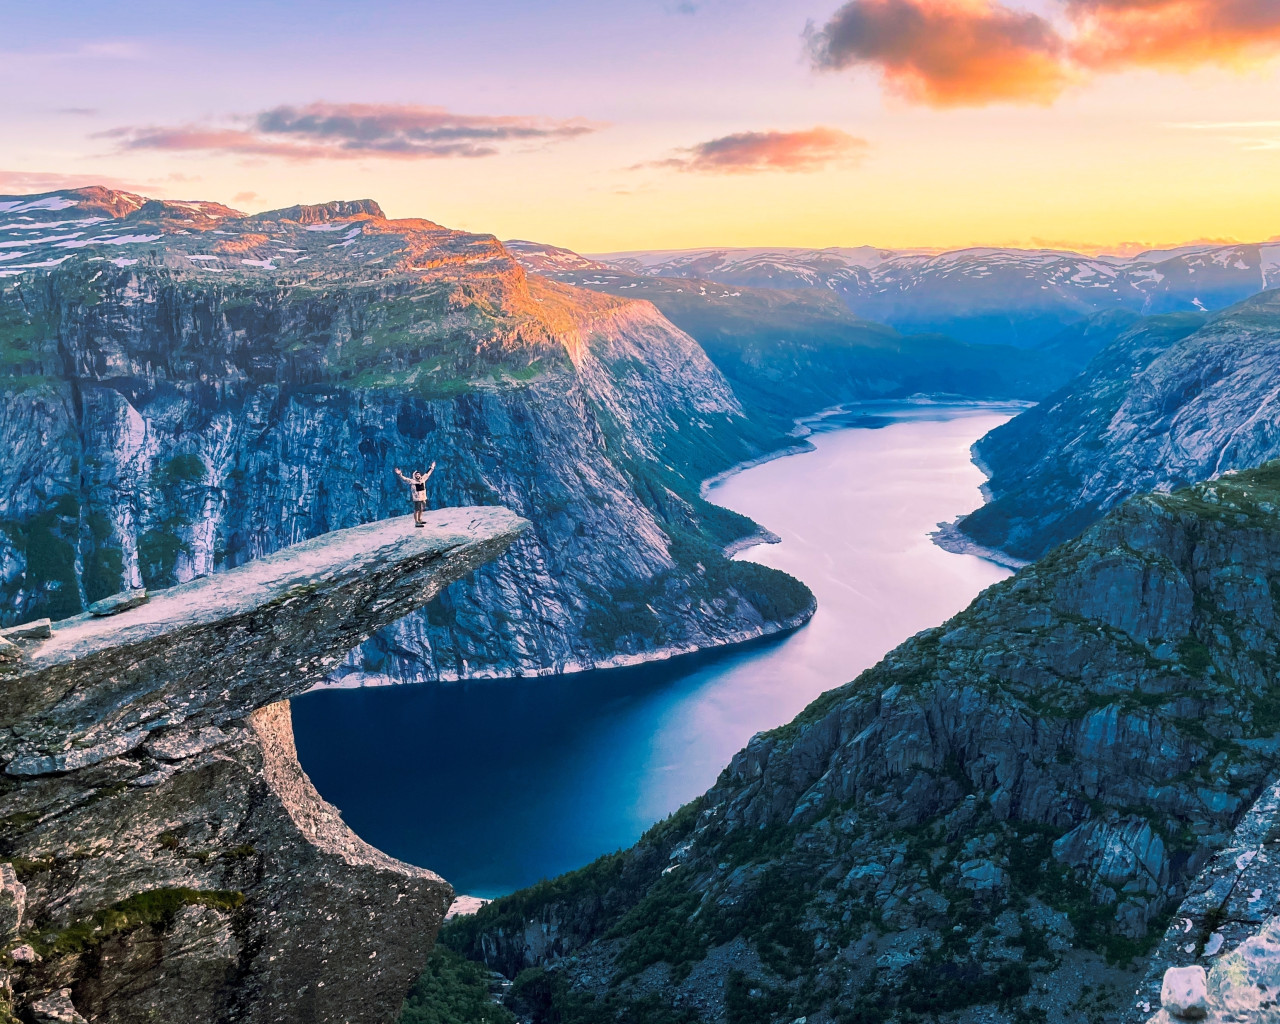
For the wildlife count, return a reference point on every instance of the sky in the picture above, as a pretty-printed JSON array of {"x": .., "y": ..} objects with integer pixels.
[{"x": 1100, "y": 125}]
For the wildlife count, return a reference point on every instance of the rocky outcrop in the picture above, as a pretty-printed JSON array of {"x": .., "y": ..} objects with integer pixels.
[
  {"x": 175, "y": 862},
  {"x": 232, "y": 385},
  {"x": 1174, "y": 399},
  {"x": 1225, "y": 932},
  {"x": 1243, "y": 987},
  {"x": 999, "y": 814}
]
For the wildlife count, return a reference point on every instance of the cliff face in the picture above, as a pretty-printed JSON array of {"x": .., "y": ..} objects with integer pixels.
[
  {"x": 989, "y": 816},
  {"x": 241, "y": 383},
  {"x": 1174, "y": 399},
  {"x": 174, "y": 861}
]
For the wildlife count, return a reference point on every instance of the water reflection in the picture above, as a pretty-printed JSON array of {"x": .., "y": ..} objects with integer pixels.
[{"x": 498, "y": 784}]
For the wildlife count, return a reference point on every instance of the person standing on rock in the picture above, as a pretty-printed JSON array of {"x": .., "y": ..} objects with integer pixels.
[{"x": 418, "y": 488}]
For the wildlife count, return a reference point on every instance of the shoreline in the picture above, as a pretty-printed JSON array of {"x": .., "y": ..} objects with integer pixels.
[
  {"x": 661, "y": 654},
  {"x": 947, "y": 537},
  {"x": 704, "y": 489}
]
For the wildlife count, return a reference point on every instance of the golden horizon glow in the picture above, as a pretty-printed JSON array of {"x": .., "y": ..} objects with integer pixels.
[{"x": 648, "y": 129}]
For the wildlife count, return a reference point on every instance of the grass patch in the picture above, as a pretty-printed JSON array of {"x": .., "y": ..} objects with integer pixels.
[{"x": 155, "y": 908}]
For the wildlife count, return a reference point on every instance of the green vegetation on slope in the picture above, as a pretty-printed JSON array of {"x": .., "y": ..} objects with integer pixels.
[
  {"x": 452, "y": 990},
  {"x": 155, "y": 908},
  {"x": 772, "y": 857}
]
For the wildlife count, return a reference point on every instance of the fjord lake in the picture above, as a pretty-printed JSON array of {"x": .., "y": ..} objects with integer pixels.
[{"x": 497, "y": 784}]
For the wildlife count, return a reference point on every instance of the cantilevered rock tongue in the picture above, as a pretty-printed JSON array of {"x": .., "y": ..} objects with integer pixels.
[
  {"x": 215, "y": 649},
  {"x": 162, "y": 854}
]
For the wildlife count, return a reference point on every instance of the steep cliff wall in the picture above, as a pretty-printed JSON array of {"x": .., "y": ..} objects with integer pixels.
[
  {"x": 999, "y": 813},
  {"x": 174, "y": 861},
  {"x": 1174, "y": 399},
  {"x": 239, "y": 384}
]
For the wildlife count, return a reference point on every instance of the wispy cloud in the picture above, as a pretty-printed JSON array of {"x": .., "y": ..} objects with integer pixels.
[
  {"x": 101, "y": 50},
  {"x": 974, "y": 52},
  {"x": 353, "y": 130},
  {"x": 753, "y": 152},
  {"x": 1252, "y": 135},
  {"x": 27, "y": 182}
]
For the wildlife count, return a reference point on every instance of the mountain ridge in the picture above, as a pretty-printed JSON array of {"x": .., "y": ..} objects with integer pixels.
[
  {"x": 984, "y": 294},
  {"x": 1175, "y": 398}
]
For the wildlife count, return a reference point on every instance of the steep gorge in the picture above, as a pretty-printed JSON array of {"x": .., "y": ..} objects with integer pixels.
[
  {"x": 242, "y": 383},
  {"x": 1174, "y": 399},
  {"x": 1001, "y": 814}
]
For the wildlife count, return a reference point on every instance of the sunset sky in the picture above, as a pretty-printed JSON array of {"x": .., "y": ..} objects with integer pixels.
[{"x": 672, "y": 123}]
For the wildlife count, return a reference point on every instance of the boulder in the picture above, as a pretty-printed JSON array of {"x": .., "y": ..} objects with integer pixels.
[
  {"x": 37, "y": 629},
  {"x": 120, "y": 602},
  {"x": 55, "y": 1008},
  {"x": 981, "y": 875},
  {"x": 1185, "y": 994}
]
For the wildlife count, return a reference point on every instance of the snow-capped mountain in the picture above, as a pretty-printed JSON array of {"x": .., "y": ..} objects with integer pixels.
[
  {"x": 44, "y": 231},
  {"x": 1012, "y": 296}
]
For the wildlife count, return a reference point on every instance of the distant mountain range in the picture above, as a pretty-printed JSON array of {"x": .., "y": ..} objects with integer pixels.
[
  {"x": 789, "y": 352},
  {"x": 992, "y": 296}
]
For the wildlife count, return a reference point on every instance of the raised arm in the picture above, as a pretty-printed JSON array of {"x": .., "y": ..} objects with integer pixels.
[
  {"x": 429, "y": 472},
  {"x": 399, "y": 474}
]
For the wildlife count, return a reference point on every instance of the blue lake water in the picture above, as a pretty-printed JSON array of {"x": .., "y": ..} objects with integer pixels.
[{"x": 497, "y": 784}]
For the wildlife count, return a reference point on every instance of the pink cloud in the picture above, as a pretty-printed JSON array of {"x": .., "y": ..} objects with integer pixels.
[
  {"x": 354, "y": 130},
  {"x": 753, "y": 152},
  {"x": 1115, "y": 34},
  {"x": 946, "y": 52}
]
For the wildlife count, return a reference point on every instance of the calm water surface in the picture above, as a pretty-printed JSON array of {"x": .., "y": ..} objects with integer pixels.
[{"x": 497, "y": 784}]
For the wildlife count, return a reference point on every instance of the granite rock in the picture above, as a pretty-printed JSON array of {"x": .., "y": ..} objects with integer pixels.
[
  {"x": 1007, "y": 806},
  {"x": 179, "y": 862}
]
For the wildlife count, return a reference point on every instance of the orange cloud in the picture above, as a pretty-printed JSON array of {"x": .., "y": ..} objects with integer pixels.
[
  {"x": 973, "y": 52},
  {"x": 947, "y": 52},
  {"x": 1115, "y": 34},
  {"x": 752, "y": 152}
]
